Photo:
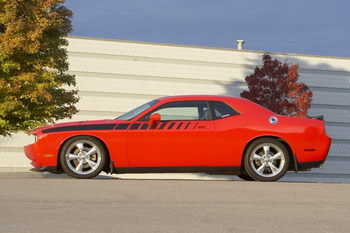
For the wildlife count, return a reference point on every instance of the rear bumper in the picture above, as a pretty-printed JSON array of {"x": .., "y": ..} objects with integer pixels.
[{"x": 315, "y": 158}]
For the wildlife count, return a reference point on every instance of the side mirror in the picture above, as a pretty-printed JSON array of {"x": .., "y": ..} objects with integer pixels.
[{"x": 154, "y": 118}]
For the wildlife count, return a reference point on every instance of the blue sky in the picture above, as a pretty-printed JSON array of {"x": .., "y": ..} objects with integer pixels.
[{"x": 317, "y": 27}]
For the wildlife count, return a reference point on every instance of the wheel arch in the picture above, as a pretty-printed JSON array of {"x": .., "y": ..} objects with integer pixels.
[
  {"x": 284, "y": 142},
  {"x": 108, "y": 157}
]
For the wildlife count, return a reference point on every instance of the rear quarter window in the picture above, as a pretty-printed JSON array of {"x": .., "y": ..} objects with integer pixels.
[{"x": 222, "y": 110}]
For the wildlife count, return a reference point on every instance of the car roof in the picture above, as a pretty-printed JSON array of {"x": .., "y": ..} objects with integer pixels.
[
  {"x": 240, "y": 104},
  {"x": 196, "y": 97}
]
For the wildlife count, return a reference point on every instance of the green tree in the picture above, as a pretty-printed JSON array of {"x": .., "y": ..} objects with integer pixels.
[
  {"x": 275, "y": 86},
  {"x": 34, "y": 86}
]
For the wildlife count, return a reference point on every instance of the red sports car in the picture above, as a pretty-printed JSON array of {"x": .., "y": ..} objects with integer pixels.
[{"x": 207, "y": 134}]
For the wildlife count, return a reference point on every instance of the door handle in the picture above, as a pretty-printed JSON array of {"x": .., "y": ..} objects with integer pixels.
[{"x": 203, "y": 126}]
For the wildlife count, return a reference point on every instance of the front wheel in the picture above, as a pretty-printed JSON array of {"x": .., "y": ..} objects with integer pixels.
[
  {"x": 266, "y": 159},
  {"x": 83, "y": 157}
]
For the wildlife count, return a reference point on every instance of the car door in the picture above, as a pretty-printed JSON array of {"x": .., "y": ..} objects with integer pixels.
[{"x": 184, "y": 136}]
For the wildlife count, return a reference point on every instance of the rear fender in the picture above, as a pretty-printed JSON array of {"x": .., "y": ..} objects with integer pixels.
[{"x": 293, "y": 160}]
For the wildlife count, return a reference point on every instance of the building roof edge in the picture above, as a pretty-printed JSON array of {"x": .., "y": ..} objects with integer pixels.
[{"x": 205, "y": 47}]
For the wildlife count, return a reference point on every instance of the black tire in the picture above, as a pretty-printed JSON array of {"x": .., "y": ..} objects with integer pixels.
[
  {"x": 83, "y": 157},
  {"x": 266, "y": 159},
  {"x": 245, "y": 177}
]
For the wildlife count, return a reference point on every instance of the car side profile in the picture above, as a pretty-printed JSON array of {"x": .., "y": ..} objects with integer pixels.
[{"x": 206, "y": 134}]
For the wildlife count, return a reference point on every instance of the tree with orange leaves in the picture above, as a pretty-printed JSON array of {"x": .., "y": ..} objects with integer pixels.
[
  {"x": 275, "y": 86},
  {"x": 33, "y": 64}
]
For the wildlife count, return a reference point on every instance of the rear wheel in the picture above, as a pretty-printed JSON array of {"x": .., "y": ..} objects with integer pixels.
[
  {"x": 83, "y": 157},
  {"x": 266, "y": 159}
]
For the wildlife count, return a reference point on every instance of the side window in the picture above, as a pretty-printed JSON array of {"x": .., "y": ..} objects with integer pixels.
[
  {"x": 184, "y": 110},
  {"x": 222, "y": 110}
]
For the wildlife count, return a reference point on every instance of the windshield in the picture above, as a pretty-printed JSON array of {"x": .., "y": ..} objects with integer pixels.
[{"x": 133, "y": 113}]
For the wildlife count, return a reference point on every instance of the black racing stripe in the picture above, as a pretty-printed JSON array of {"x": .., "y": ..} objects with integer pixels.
[
  {"x": 154, "y": 126},
  {"x": 144, "y": 126},
  {"x": 187, "y": 125},
  {"x": 81, "y": 127},
  {"x": 179, "y": 126},
  {"x": 171, "y": 125},
  {"x": 162, "y": 125},
  {"x": 135, "y": 126},
  {"x": 122, "y": 126}
]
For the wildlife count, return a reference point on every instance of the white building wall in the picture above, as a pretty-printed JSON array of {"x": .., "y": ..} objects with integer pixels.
[{"x": 115, "y": 76}]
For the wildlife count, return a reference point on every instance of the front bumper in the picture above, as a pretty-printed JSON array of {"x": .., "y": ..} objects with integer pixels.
[
  {"x": 40, "y": 159},
  {"x": 31, "y": 151}
]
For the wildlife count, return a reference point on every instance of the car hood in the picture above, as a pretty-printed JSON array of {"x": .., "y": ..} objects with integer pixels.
[{"x": 75, "y": 123}]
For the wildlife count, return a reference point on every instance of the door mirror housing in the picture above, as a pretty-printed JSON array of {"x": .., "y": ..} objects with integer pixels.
[{"x": 154, "y": 118}]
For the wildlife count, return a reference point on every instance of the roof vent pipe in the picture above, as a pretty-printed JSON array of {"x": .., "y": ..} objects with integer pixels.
[{"x": 240, "y": 44}]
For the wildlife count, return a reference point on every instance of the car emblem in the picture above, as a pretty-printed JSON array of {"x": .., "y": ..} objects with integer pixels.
[{"x": 273, "y": 120}]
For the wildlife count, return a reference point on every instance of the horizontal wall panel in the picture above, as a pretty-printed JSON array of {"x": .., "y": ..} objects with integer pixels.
[
  {"x": 338, "y": 132},
  {"x": 156, "y": 69},
  {"x": 17, "y": 140},
  {"x": 91, "y": 101},
  {"x": 165, "y": 88},
  {"x": 88, "y": 76},
  {"x": 340, "y": 114},
  {"x": 331, "y": 97},
  {"x": 340, "y": 148},
  {"x": 96, "y": 115},
  {"x": 328, "y": 79},
  {"x": 13, "y": 158}
]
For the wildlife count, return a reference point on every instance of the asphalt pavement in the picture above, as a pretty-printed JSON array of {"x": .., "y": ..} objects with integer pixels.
[{"x": 57, "y": 203}]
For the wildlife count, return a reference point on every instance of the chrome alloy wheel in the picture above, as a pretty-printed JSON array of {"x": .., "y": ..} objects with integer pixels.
[
  {"x": 267, "y": 160},
  {"x": 83, "y": 157}
]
